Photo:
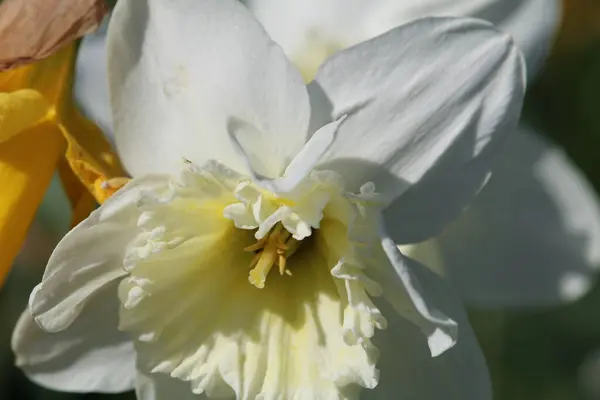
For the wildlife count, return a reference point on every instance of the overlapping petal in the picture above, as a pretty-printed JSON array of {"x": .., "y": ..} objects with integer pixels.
[
  {"x": 409, "y": 372},
  {"x": 186, "y": 74},
  {"x": 88, "y": 258},
  {"x": 309, "y": 29},
  {"x": 91, "y": 355},
  {"x": 424, "y": 118}
]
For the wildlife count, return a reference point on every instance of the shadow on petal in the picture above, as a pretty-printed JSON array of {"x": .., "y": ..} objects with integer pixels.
[
  {"x": 91, "y": 355},
  {"x": 407, "y": 369}
]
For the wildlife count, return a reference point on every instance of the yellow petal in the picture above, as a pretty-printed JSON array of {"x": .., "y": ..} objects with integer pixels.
[
  {"x": 82, "y": 201},
  {"x": 31, "y": 147},
  {"x": 89, "y": 154},
  {"x": 36, "y": 112},
  {"x": 25, "y": 173},
  {"x": 19, "y": 110}
]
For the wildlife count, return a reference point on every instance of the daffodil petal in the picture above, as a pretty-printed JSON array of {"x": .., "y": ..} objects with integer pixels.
[
  {"x": 25, "y": 173},
  {"x": 301, "y": 165},
  {"x": 534, "y": 24},
  {"x": 422, "y": 129},
  {"x": 82, "y": 201},
  {"x": 89, "y": 356},
  {"x": 305, "y": 28},
  {"x": 533, "y": 233},
  {"x": 181, "y": 74},
  {"x": 310, "y": 30},
  {"x": 89, "y": 154},
  {"x": 88, "y": 258},
  {"x": 30, "y": 146},
  {"x": 20, "y": 110},
  {"x": 441, "y": 331},
  {"x": 409, "y": 371}
]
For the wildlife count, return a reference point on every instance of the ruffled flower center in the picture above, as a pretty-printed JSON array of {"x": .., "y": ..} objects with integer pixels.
[{"x": 197, "y": 240}]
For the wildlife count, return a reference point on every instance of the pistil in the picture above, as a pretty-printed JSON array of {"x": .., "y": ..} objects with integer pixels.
[{"x": 273, "y": 249}]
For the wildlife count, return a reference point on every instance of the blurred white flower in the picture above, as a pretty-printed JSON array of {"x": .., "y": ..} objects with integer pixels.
[{"x": 252, "y": 243}]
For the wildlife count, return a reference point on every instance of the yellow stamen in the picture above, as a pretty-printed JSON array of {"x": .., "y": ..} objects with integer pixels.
[
  {"x": 256, "y": 246},
  {"x": 254, "y": 260},
  {"x": 268, "y": 256},
  {"x": 274, "y": 249},
  {"x": 282, "y": 262}
]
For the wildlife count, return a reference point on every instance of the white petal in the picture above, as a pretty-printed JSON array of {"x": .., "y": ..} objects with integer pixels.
[
  {"x": 532, "y": 236},
  {"x": 428, "y": 104},
  {"x": 309, "y": 30},
  {"x": 183, "y": 73},
  {"x": 441, "y": 331},
  {"x": 88, "y": 258},
  {"x": 301, "y": 165},
  {"x": 306, "y": 29},
  {"x": 89, "y": 356},
  {"x": 407, "y": 369},
  {"x": 532, "y": 23}
]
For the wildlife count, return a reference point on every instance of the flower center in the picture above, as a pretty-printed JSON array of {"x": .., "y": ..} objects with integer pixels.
[
  {"x": 273, "y": 249},
  {"x": 225, "y": 334}
]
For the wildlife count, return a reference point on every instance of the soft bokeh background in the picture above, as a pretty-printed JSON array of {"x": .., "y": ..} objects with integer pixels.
[{"x": 549, "y": 354}]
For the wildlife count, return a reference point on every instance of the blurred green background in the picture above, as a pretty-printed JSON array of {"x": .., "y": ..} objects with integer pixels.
[{"x": 549, "y": 354}]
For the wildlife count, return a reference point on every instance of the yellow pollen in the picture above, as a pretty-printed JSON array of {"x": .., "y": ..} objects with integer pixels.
[{"x": 273, "y": 249}]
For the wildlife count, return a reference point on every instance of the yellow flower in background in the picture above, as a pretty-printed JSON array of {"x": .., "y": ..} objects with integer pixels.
[{"x": 38, "y": 125}]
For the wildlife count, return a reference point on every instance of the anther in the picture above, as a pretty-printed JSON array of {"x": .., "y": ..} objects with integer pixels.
[{"x": 273, "y": 249}]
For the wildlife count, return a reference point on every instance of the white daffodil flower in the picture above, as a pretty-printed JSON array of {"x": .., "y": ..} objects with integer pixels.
[
  {"x": 310, "y": 30},
  {"x": 251, "y": 254},
  {"x": 532, "y": 237}
]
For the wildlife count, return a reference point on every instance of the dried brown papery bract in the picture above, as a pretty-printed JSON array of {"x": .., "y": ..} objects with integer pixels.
[{"x": 34, "y": 29}]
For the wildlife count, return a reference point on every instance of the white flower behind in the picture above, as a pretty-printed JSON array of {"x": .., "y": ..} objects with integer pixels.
[
  {"x": 252, "y": 243},
  {"x": 310, "y": 30}
]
